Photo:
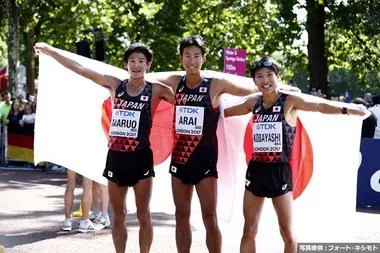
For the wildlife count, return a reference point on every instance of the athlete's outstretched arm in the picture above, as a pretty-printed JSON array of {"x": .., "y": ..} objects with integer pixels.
[
  {"x": 170, "y": 78},
  {"x": 327, "y": 108},
  {"x": 238, "y": 85},
  {"x": 233, "y": 84},
  {"x": 167, "y": 93},
  {"x": 59, "y": 56},
  {"x": 240, "y": 109}
]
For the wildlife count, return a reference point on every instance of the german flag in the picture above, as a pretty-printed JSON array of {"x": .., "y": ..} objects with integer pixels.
[{"x": 20, "y": 147}]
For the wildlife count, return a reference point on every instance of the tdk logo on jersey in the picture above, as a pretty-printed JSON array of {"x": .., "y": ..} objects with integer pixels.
[
  {"x": 188, "y": 110},
  {"x": 264, "y": 126},
  {"x": 127, "y": 113}
]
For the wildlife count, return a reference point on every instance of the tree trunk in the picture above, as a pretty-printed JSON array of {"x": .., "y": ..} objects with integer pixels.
[
  {"x": 29, "y": 42},
  {"x": 317, "y": 65},
  {"x": 13, "y": 48}
]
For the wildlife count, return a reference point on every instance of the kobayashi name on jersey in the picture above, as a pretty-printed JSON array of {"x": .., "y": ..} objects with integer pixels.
[{"x": 268, "y": 137}]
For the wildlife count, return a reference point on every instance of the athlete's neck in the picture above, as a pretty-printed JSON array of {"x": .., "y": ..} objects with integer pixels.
[
  {"x": 270, "y": 99},
  {"x": 193, "y": 80},
  {"x": 137, "y": 83}
]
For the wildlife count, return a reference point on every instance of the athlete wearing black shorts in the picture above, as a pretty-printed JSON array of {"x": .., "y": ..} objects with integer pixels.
[
  {"x": 269, "y": 173},
  {"x": 130, "y": 158},
  {"x": 195, "y": 153}
]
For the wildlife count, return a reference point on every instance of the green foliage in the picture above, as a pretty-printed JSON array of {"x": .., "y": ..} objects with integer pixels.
[
  {"x": 262, "y": 27},
  {"x": 3, "y": 35}
]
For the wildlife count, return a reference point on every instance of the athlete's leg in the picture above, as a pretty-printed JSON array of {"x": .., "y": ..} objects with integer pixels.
[
  {"x": 117, "y": 196},
  {"x": 207, "y": 191},
  {"x": 284, "y": 209},
  {"x": 69, "y": 192},
  {"x": 143, "y": 193},
  {"x": 252, "y": 208},
  {"x": 182, "y": 195}
]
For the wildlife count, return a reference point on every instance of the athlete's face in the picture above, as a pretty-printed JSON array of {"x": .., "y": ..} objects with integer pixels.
[
  {"x": 137, "y": 65},
  {"x": 192, "y": 59},
  {"x": 265, "y": 80}
]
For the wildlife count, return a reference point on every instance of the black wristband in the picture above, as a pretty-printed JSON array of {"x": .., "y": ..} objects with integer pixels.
[{"x": 344, "y": 110}]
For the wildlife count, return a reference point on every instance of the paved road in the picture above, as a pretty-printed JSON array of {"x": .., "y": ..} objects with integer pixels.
[{"x": 31, "y": 209}]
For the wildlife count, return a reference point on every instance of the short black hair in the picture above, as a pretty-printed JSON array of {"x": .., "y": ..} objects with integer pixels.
[
  {"x": 261, "y": 63},
  {"x": 138, "y": 47},
  {"x": 196, "y": 40}
]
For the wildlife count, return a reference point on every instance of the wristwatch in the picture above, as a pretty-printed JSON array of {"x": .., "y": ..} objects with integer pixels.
[{"x": 344, "y": 110}]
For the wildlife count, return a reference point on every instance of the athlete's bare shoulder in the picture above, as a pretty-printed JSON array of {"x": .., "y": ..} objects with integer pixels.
[
  {"x": 112, "y": 81},
  {"x": 163, "y": 91},
  {"x": 168, "y": 78},
  {"x": 252, "y": 99},
  {"x": 160, "y": 87}
]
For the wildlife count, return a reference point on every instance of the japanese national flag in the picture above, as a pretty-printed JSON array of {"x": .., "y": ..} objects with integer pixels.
[
  {"x": 276, "y": 108},
  {"x": 144, "y": 98},
  {"x": 174, "y": 169},
  {"x": 203, "y": 89}
]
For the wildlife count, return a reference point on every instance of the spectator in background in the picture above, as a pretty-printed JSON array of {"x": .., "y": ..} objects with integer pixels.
[
  {"x": 314, "y": 92},
  {"x": 100, "y": 201},
  {"x": 334, "y": 96},
  {"x": 85, "y": 225},
  {"x": 347, "y": 96},
  {"x": 342, "y": 99},
  {"x": 5, "y": 106},
  {"x": 370, "y": 123},
  {"x": 14, "y": 117},
  {"x": 375, "y": 109},
  {"x": 22, "y": 100},
  {"x": 368, "y": 98},
  {"x": 320, "y": 94},
  {"x": 33, "y": 101},
  {"x": 28, "y": 119}
]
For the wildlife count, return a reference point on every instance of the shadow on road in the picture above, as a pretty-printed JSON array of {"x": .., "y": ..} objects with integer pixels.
[
  {"x": 10, "y": 179},
  {"x": 10, "y": 241},
  {"x": 21, "y": 226},
  {"x": 50, "y": 232}
]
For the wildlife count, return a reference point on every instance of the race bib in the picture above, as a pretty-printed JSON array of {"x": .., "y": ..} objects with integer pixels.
[
  {"x": 189, "y": 120},
  {"x": 267, "y": 137},
  {"x": 125, "y": 123}
]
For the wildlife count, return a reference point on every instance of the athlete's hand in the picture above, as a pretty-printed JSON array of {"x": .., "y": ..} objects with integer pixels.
[
  {"x": 43, "y": 48},
  {"x": 359, "y": 110}
]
